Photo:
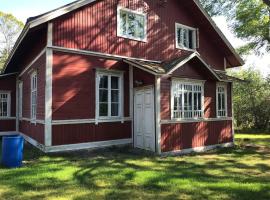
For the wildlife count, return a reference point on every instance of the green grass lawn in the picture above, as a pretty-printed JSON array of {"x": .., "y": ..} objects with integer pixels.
[{"x": 242, "y": 172}]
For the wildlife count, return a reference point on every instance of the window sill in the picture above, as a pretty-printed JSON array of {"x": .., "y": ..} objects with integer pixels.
[
  {"x": 131, "y": 38},
  {"x": 186, "y": 49}
]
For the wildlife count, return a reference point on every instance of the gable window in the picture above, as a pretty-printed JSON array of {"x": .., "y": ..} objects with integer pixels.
[
  {"x": 187, "y": 99},
  {"x": 33, "y": 96},
  {"x": 221, "y": 101},
  {"x": 108, "y": 94},
  {"x": 185, "y": 37},
  {"x": 131, "y": 24},
  {"x": 4, "y": 104}
]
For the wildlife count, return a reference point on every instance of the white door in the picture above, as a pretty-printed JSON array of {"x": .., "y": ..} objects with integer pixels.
[{"x": 144, "y": 131}]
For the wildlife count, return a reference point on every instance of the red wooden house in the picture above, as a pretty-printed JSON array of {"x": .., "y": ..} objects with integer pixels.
[{"x": 97, "y": 73}]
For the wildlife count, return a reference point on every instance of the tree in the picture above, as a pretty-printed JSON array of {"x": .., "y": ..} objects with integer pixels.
[
  {"x": 249, "y": 19},
  {"x": 10, "y": 27},
  {"x": 252, "y": 100}
]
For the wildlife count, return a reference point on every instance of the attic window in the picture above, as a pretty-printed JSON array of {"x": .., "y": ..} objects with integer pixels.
[
  {"x": 185, "y": 37},
  {"x": 131, "y": 24}
]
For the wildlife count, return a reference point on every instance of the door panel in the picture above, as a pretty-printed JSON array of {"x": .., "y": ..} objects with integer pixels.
[{"x": 144, "y": 131}]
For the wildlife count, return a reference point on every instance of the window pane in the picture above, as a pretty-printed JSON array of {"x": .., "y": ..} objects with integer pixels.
[
  {"x": 199, "y": 101},
  {"x": 115, "y": 82},
  {"x": 219, "y": 101},
  {"x": 123, "y": 25},
  {"x": 115, "y": 96},
  {"x": 195, "y": 101},
  {"x": 131, "y": 24},
  {"x": 103, "y": 82},
  {"x": 223, "y": 102},
  {"x": 103, "y": 109},
  {"x": 115, "y": 109},
  {"x": 103, "y": 95},
  {"x": 190, "y": 32}
]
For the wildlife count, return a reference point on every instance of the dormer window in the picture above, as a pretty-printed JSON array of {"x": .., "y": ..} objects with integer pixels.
[
  {"x": 185, "y": 37},
  {"x": 131, "y": 24}
]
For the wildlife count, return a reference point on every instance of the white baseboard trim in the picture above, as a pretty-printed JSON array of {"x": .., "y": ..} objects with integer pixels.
[
  {"x": 90, "y": 145},
  {"x": 197, "y": 149},
  {"x": 74, "y": 147},
  {"x": 7, "y": 133}
]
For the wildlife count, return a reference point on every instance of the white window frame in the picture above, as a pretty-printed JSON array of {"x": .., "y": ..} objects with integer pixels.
[
  {"x": 187, "y": 82},
  {"x": 33, "y": 115},
  {"x": 224, "y": 85},
  {"x": 119, "y": 8},
  {"x": 194, "y": 39},
  {"x": 20, "y": 96},
  {"x": 8, "y": 102},
  {"x": 110, "y": 73}
]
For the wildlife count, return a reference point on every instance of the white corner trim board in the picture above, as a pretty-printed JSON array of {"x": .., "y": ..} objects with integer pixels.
[{"x": 197, "y": 149}]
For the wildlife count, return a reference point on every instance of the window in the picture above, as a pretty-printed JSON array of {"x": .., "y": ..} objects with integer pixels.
[
  {"x": 185, "y": 37},
  {"x": 131, "y": 24},
  {"x": 20, "y": 98},
  {"x": 4, "y": 104},
  {"x": 187, "y": 100},
  {"x": 109, "y": 93},
  {"x": 221, "y": 101},
  {"x": 33, "y": 96}
]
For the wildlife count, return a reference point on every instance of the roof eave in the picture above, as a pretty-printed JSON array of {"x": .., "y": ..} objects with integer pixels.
[{"x": 226, "y": 41}]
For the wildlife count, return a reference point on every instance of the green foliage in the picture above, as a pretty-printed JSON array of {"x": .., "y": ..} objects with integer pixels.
[
  {"x": 249, "y": 20},
  {"x": 10, "y": 27},
  {"x": 252, "y": 100}
]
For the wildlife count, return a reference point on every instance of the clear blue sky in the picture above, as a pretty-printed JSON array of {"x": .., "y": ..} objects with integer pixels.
[{"x": 22, "y": 9}]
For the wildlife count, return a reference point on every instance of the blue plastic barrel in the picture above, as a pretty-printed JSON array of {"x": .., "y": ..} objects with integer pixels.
[{"x": 12, "y": 151}]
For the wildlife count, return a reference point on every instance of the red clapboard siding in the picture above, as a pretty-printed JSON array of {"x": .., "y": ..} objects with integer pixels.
[
  {"x": 94, "y": 27},
  {"x": 190, "y": 135},
  {"x": 74, "y": 85},
  {"x": 8, "y": 83},
  {"x": 40, "y": 67},
  {"x": 35, "y": 131},
  {"x": 143, "y": 77},
  {"x": 7, "y": 125},
  {"x": 82, "y": 133}
]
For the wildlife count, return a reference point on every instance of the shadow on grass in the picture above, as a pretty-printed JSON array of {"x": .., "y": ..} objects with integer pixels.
[{"x": 126, "y": 174}]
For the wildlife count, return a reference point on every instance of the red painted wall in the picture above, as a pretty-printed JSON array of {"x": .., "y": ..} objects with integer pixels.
[
  {"x": 40, "y": 67},
  {"x": 143, "y": 77},
  {"x": 82, "y": 133},
  {"x": 74, "y": 85},
  {"x": 35, "y": 131},
  {"x": 190, "y": 135},
  {"x": 93, "y": 27},
  {"x": 8, "y": 83}
]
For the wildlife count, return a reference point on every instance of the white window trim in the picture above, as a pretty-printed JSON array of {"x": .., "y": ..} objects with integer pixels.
[
  {"x": 8, "y": 103},
  {"x": 119, "y": 8},
  {"x": 20, "y": 111},
  {"x": 33, "y": 118},
  {"x": 189, "y": 82},
  {"x": 224, "y": 85},
  {"x": 178, "y": 25},
  {"x": 120, "y": 74}
]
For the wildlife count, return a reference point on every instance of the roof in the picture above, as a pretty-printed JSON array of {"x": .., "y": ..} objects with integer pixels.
[
  {"x": 48, "y": 16},
  {"x": 169, "y": 66}
]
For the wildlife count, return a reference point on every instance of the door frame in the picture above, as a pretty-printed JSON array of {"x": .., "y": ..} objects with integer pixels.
[{"x": 135, "y": 89}]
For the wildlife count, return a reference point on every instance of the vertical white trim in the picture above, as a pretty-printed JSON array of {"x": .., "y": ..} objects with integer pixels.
[
  {"x": 225, "y": 63},
  {"x": 232, "y": 110},
  {"x": 97, "y": 98},
  {"x": 157, "y": 108},
  {"x": 131, "y": 100},
  {"x": 48, "y": 89},
  {"x": 17, "y": 104}
]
